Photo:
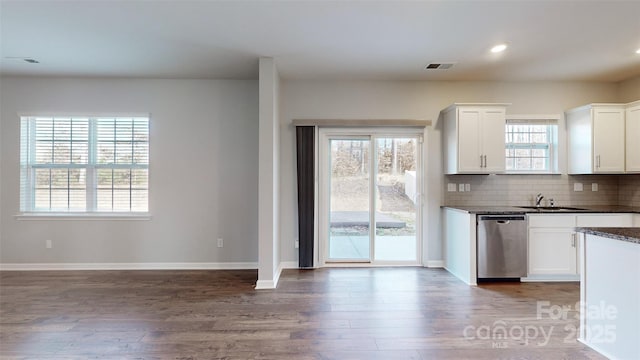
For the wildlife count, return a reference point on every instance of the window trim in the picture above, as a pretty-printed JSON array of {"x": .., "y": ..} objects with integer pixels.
[
  {"x": 88, "y": 214},
  {"x": 142, "y": 216},
  {"x": 552, "y": 119}
]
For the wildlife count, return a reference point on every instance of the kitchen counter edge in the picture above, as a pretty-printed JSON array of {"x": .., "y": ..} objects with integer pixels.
[
  {"x": 631, "y": 235},
  {"x": 486, "y": 210}
]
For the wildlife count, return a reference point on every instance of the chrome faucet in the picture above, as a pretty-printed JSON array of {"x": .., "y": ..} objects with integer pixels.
[{"x": 539, "y": 198}]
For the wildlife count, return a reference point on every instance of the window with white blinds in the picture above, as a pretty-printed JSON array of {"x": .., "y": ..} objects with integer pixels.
[
  {"x": 531, "y": 145},
  {"x": 84, "y": 164}
]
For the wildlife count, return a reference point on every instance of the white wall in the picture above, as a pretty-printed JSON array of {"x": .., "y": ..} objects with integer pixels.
[
  {"x": 222, "y": 198},
  {"x": 203, "y": 178},
  {"x": 269, "y": 176},
  {"x": 629, "y": 90},
  {"x": 409, "y": 100}
]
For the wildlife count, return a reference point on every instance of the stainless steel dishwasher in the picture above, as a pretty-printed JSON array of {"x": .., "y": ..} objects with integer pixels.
[{"x": 502, "y": 246}]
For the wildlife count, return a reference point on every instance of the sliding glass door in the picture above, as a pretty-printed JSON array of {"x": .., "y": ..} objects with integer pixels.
[
  {"x": 350, "y": 200},
  {"x": 370, "y": 198},
  {"x": 396, "y": 199}
]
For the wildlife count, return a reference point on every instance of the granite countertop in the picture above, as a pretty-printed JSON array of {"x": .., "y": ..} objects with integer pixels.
[
  {"x": 484, "y": 210},
  {"x": 625, "y": 234}
]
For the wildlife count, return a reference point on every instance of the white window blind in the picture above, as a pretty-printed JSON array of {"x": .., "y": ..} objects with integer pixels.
[
  {"x": 84, "y": 164},
  {"x": 530, "y": 145}
]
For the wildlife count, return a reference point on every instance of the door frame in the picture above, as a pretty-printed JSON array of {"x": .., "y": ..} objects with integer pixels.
[{"x": 323, "y": 181}]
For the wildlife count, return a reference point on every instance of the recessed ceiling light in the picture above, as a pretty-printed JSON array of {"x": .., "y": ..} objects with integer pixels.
[
  {"x": 638, "y": 51},
  {"x": 499, "y": 48}
]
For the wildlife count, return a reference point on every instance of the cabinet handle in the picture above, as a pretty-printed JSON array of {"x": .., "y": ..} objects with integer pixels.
[
  {"x": 573, "y": 239},
  {"x": 481, "y": 161},
  {"x": 598, "y": 161},
  {"x": 485, "y": 161}
]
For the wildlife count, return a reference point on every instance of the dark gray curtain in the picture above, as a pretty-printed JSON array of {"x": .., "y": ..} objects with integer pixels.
[{"x": 305, "y": 147}]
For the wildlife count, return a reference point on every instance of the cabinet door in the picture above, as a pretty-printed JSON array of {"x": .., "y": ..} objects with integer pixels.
[
  {"x": 552, "y": 252},
  {"x": 493, "y": 140},
  {"x": 608, "y": 140},
  {"x": 633, "y": 138},
  {"x": 469, "y": 120}
]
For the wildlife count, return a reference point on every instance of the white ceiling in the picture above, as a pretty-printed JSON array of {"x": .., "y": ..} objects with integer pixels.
[{"x": 549, "y": 40}]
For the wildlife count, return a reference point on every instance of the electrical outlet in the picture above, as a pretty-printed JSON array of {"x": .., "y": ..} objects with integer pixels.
[
  {"x": 220, "y": 242},
  {"x": 451, "y": 187},
  {"x": 296, "y": 244},
  {"x": 578, "y": 187},
  {"x": 594, "y": 186},
  {"x": 461, "y": 187},
  {"x": 467, "y": 187},
  {"x": 48, "y": 244}
]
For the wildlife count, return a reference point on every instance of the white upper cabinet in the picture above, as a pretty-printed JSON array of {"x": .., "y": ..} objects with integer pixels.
[
  {"x": 474, "y": 138},
  {"x": 493, "y": 137},
  {"x": 608, "y": 139},
  {"x": 633, "y": 137},
  {"x": 596, "y": 140}
]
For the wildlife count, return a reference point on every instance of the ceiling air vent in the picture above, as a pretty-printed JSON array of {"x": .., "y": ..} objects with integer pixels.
[{"x": 439, "y": 66}]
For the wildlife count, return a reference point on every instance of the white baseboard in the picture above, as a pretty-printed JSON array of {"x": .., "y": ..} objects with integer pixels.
[
  {"x": 266, "y": 284},
  {"x": 435, "y": 263},
  {"x": 128, "y": 266},
  {"x": 272, "y": 284},
  {"x": 269, "y": 284},
  {"x": 550, "y": 278}
]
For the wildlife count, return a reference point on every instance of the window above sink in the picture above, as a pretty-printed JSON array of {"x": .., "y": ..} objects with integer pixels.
[{"x": 531, "y": 143}]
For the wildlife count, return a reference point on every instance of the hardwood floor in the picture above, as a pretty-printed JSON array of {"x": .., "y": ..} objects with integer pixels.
[{"x": 363, "y": 313}]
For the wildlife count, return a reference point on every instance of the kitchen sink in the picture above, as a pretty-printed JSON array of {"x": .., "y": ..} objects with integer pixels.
[{"x": 550, "y": 208}]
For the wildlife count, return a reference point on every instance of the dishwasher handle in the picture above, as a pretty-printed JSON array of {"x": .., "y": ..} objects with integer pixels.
[{"x": 502, "y": 219}]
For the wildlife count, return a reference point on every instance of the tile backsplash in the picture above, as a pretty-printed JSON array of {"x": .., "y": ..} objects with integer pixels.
[
  {"x": 629, "y": 190},
  {"x": 514, "y": 190}
]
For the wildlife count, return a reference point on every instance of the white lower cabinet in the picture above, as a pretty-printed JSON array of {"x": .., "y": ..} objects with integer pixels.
[
  {"x": 553, "y": 243},
  {"x": 553, "y": 252},
  {"x": 611, "y": 322},
  {"x": 459, "y": 232},
  {"x": 553, "y": 247}
]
